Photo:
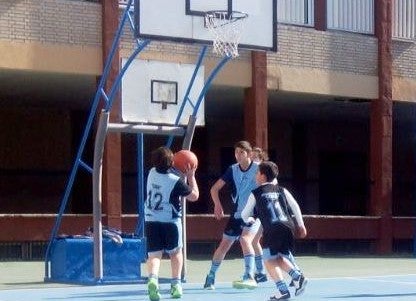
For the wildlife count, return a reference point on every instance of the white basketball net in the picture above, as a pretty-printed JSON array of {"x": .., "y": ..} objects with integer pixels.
[{"x": 227, "y": 29}]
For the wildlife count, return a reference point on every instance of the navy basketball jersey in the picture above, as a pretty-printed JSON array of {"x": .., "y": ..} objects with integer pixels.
[{"x": 271, "y": 206}]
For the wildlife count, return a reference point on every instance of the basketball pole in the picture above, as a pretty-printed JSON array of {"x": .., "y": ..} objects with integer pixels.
[
  {"x": 187, "y": 142},
  {"x": 78, "y": 162}
]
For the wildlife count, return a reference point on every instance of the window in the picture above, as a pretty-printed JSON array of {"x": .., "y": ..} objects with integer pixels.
[
  {"x": 298, "y": 12},
  {"x": 351, "y": 15},
  {"x": 404, "y": 12}
]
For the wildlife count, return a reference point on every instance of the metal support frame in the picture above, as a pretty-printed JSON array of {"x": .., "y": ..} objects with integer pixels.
[{"x": 104, "y": 127}]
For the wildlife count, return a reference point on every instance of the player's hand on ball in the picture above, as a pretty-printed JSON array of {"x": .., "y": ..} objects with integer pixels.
[{"x": 190, "y": 171}]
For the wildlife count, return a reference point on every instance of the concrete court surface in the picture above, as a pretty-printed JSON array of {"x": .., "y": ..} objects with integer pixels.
[{"x": 331, "y": 278}]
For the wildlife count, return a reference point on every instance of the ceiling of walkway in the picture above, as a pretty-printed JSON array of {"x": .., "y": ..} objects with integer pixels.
[{"x": 76, "y": 92}]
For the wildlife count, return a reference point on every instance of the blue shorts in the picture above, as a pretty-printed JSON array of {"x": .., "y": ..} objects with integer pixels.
[
  {"x": 165, "y": 237},
  {"x": 236, "y": 226}
]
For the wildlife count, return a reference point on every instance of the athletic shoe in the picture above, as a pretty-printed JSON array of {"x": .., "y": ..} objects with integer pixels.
[
  {"x": 291, "y": 283},
  {"x": 153, "y": 289},
  {"x": 209, "y": 282},
  {"x": 176, "y": 291},
  {"x": 245, "y": 282},
  {"x": 260, "y": 277},
  {"x": 280, "y": 296},
  {"x": 300, "y": 285}
]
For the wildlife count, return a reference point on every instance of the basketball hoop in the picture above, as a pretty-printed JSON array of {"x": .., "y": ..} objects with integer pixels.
[{"x": 227, "y": 29}]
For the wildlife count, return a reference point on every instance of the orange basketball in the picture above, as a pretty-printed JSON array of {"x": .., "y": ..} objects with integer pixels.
[{"x": 184, "y": 157}]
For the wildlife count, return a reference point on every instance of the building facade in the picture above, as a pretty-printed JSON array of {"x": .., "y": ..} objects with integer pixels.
[{"x": 334, "y": 107}]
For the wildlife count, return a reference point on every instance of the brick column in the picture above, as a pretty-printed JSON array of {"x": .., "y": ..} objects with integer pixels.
[
  {"x": 112, "y": 153},
  {"x": 255, "y": 102},
  {"x": 381, "y": 131}
]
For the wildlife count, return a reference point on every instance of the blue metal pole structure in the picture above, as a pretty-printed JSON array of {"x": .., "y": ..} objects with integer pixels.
[
  {"x": 188, "y": 90},
  {"x": 208, "y": 83},
  {"x": 117, "y": 82},
  {"x": 78, "y": 161},
  {"x": 187, "y": 145}
]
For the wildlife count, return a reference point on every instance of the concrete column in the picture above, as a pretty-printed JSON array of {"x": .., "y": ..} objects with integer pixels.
[
  {"x": 255, "y": 102},
  {"x": 112, "y": 152},
  {"x": 381, "y": 131}
]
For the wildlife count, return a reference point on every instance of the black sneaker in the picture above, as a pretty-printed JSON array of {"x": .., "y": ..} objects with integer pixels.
[
  {"x": 281, "y": 295},
  {"x": 209, "y": 282},
  {"x": 260, "y": 277},
  {"x": 291, "y": 284},
  {"x": 300, "y": 285}
]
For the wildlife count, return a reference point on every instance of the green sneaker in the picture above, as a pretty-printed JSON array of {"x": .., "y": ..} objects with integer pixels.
[
  {"x": 246, "y": 282},
  {"x": 153, "y": 289},
  {"x": 176, "y": 291}
]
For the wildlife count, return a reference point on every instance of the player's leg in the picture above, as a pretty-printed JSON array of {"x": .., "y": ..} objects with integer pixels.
[
  {"x": 259, "y": 275},
  {"x": 298, "y": 279},
  {"x": 176, "y": 261},
  {"x": 275, "y": 240},
  {"x": 246, "y": 242},
  {"x": 286, "y": 261},
  {"x": 217, "y": 258},
  {"x": 153, "y": 266},
  {"x": 174, "y": 246},
  {"x": 154, "y": 252},
  {"x": 272, "y": 266}
]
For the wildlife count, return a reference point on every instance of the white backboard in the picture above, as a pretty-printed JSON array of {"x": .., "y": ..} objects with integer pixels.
[
  {"x": 153, "y": 92},
  {"x": 183, "y": 21}
]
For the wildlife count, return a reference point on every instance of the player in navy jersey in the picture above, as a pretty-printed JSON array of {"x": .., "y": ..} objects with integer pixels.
[
  {"x": 163, "y": 218},
  {"x": 241, "y": 177},
  {"x": 274, "y": 205}
]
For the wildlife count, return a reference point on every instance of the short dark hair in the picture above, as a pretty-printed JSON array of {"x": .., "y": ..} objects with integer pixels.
[
  {"x": 244, "y": 145},
  {"x": 162, "y": 158},
  {"x": 269, "y": 169}
]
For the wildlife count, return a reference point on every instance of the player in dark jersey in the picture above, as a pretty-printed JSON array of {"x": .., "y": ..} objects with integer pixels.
[
  {"x": 274, "y": 205},
  {"x": 163, "y": 218}
]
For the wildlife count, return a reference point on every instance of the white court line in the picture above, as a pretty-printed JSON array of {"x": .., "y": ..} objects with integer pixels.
[{"x": 361, "y": 277}]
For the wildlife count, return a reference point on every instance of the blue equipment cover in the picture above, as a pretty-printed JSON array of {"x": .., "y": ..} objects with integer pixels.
[{"x": 72, "y": 260}]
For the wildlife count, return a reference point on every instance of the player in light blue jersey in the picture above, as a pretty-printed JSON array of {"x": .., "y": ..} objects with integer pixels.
[
  {"x": 241, "y": 177},
  {"x": 163, "y": 218}
]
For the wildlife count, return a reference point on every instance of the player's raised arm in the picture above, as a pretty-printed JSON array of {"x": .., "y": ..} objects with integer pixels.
[{"x": 190, "y": 176}]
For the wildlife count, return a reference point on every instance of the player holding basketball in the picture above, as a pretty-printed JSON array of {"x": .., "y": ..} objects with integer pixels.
[
  {"x": 273, "y": 206},
  {"x": 163, "y": 218},
  {"x": 241, "y": 177}
]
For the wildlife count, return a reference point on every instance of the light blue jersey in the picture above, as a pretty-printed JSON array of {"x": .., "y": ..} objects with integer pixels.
[
  {"x": 243, "y": 182},
  {"x": 163, "y": 202}
]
